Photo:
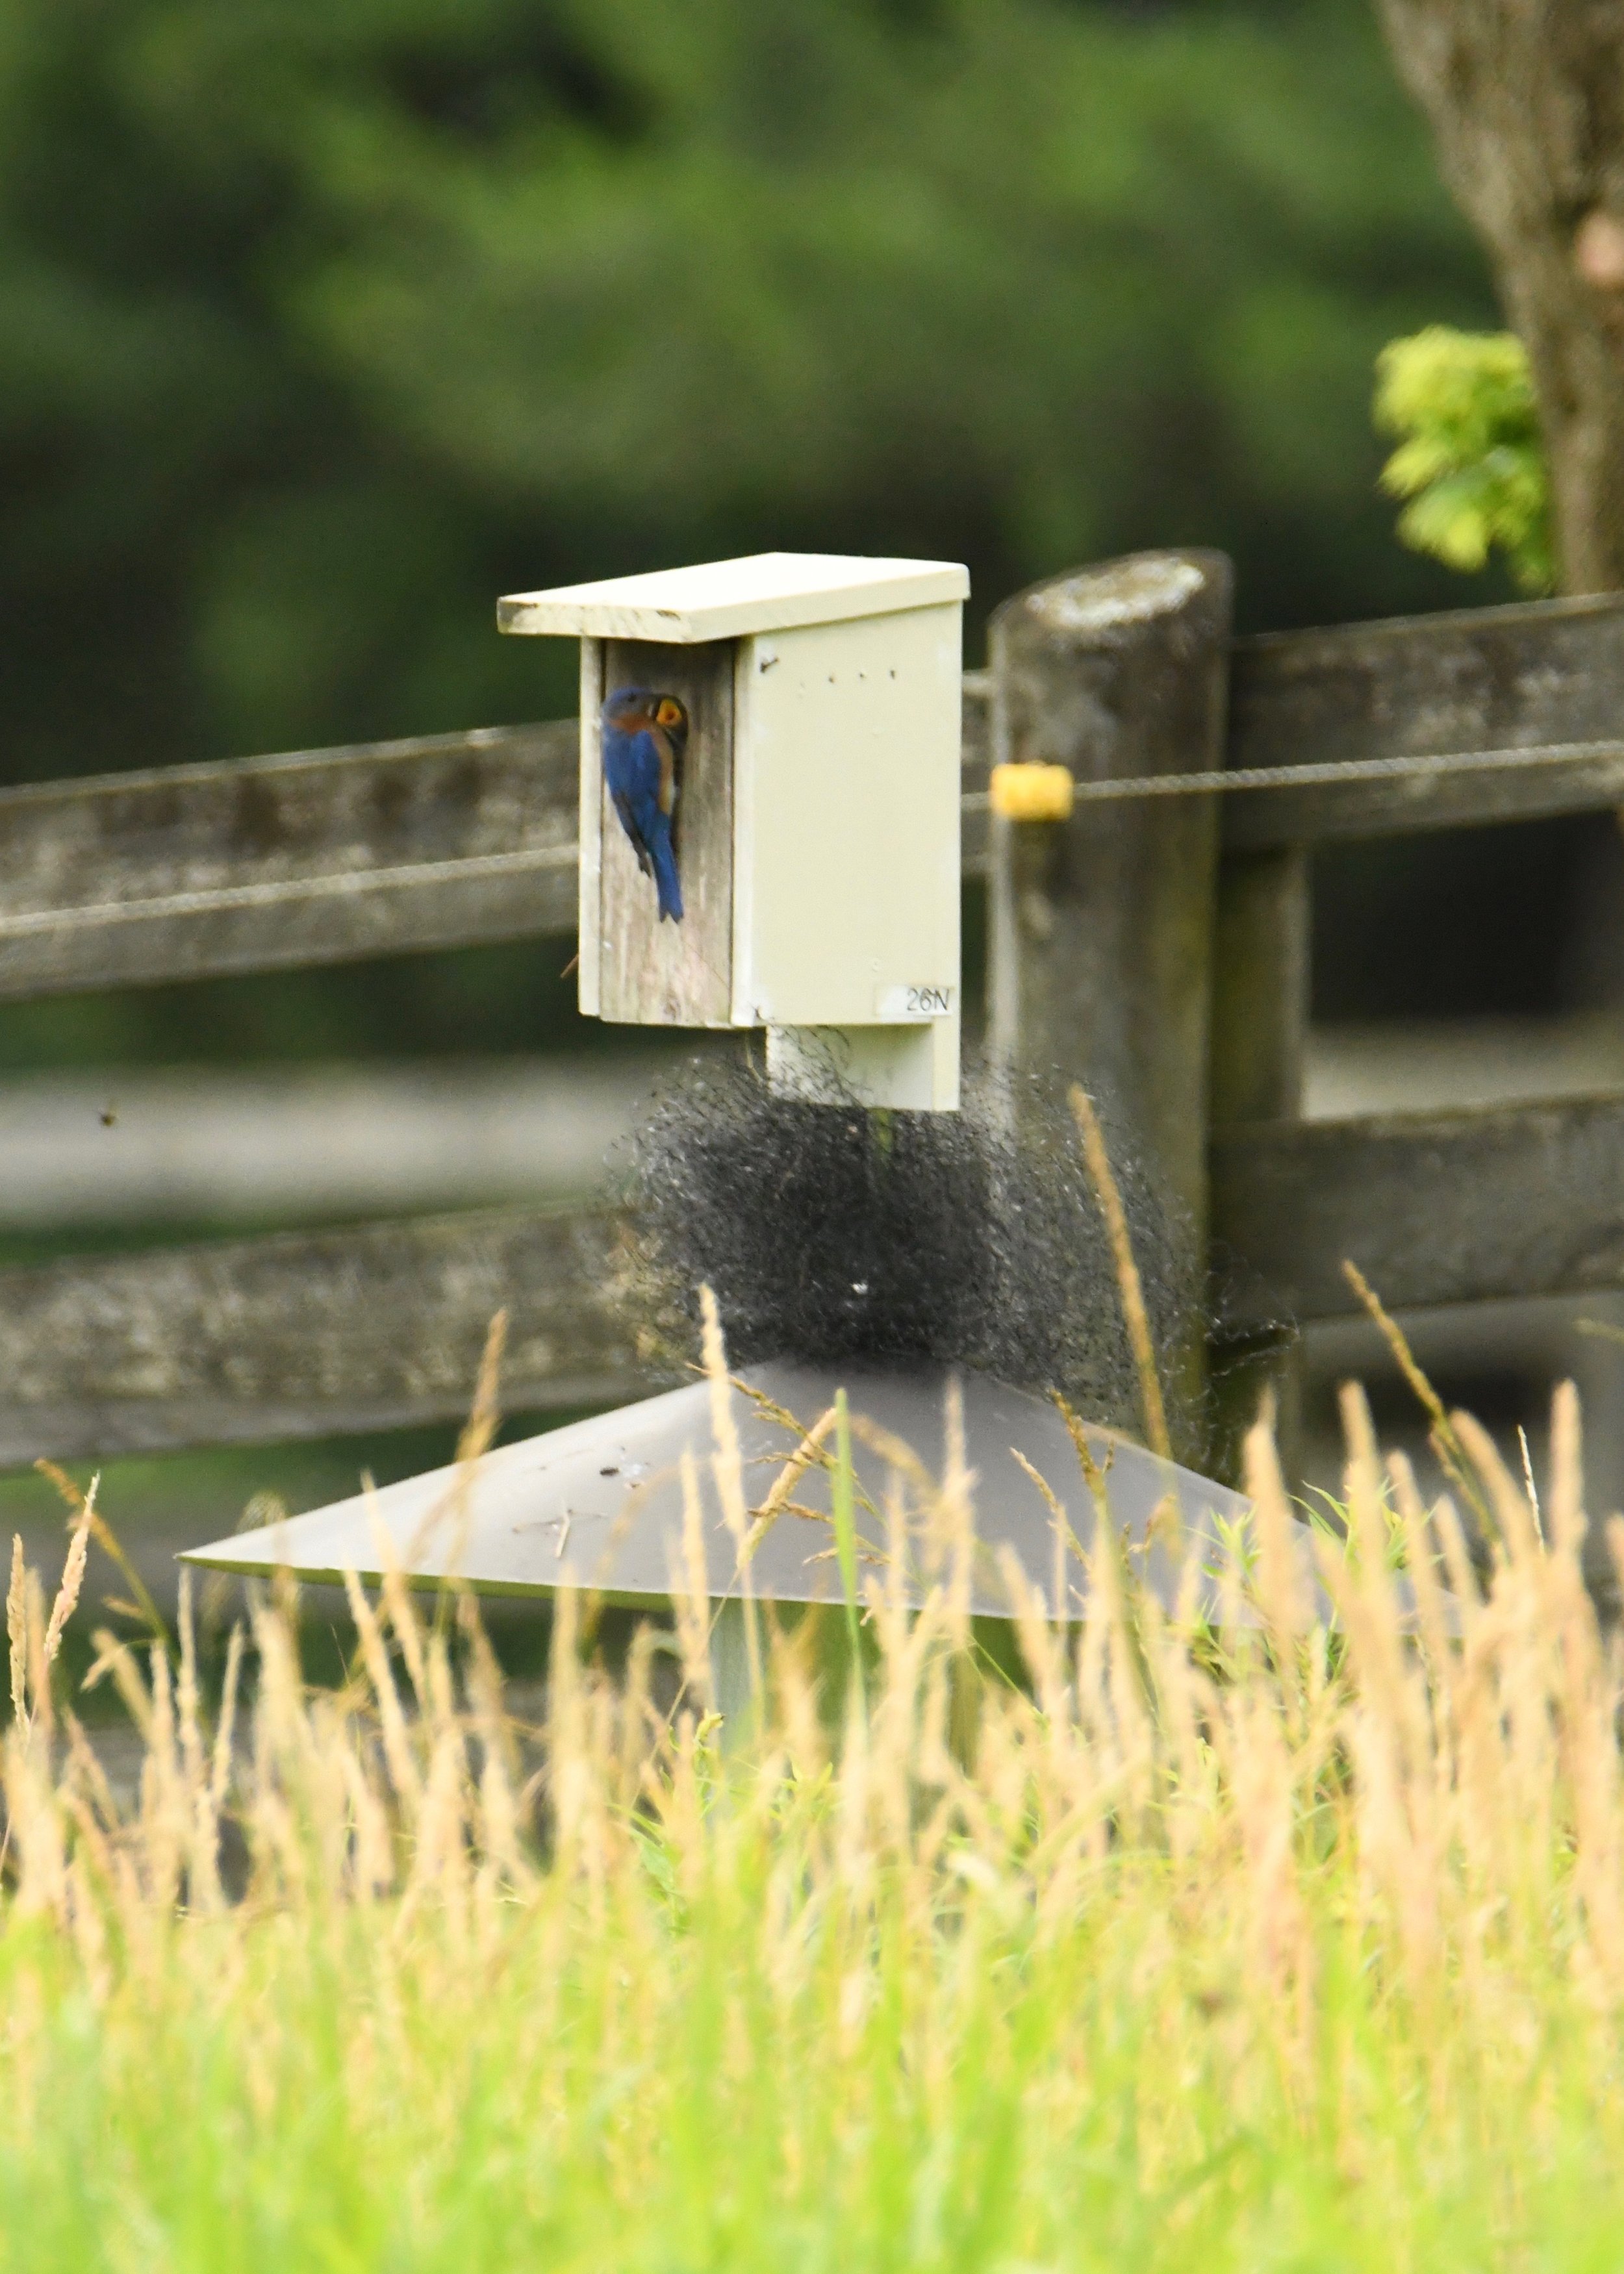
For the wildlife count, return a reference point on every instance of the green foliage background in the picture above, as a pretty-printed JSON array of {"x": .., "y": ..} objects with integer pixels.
[
  {"x": 323, "y": 322},
  {"x": 1471, "y": 458}
]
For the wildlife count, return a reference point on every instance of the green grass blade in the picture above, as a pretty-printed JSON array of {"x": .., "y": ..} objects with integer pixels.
[{"x": 843, "y": 1496}]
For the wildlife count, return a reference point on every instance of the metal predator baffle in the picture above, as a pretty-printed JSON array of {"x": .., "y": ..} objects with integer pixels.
[{"x": 600, "y": 1504}]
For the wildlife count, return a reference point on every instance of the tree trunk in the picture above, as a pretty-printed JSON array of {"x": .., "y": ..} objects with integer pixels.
[{"x": 1526, "y": 99}]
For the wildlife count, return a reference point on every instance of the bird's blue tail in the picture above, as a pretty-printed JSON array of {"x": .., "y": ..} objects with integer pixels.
[{"x": 666, "y": 882}]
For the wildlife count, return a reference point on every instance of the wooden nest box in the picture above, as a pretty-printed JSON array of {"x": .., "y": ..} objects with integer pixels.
[{"x": 794, "y": 717}]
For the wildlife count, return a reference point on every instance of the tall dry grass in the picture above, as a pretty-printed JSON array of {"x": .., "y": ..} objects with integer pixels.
[{"x": 1279, "y": 1944}]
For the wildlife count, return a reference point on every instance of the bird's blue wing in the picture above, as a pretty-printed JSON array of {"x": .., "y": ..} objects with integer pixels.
[
  {"x": 628, "y": 822},
  {"x": 639, "y": 772}
]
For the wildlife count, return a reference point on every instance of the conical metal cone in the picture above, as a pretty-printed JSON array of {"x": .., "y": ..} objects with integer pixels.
[{"x": 600, "y": 1503}]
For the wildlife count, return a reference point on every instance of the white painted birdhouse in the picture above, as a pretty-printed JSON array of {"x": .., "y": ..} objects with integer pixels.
[{"x": 808, "y": 776}]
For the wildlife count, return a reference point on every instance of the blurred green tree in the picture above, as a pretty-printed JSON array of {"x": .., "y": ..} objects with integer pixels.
[
  {"x": 1523, "y": 98},
  {"x": 1471, "y": 460},
  {"x": 322, "y": 325}
]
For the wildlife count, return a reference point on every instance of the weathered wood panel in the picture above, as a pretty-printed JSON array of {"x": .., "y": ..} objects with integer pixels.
[
  {"x": 1260, "y": 987},
  {"x": 1541, "y": 674},
  {"x": 976, "y": 765},
  {"x": 315, "y": 858},
  {"x": 1100, "y": 937},
  {"x": 1446, "y": 1208},
  {"x": 652, "y": 971},
  {"x": 327, "y": 856},
  {"x": 307, "y": 1334},
  {"x": 320, "y": 857},
  {"x": 1260, "y": 1003}
]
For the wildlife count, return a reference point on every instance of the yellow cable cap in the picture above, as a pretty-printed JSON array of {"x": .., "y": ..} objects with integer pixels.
[{"x": 1032, "y": 793}]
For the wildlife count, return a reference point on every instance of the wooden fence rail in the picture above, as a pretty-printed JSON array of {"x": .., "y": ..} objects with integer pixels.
[
  {"x": 326, "y": 855},
  {"x": 1157, "y": 945}
]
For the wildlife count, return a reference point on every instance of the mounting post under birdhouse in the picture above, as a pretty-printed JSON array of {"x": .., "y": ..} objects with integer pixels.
[{"x": 770, "y": 811}]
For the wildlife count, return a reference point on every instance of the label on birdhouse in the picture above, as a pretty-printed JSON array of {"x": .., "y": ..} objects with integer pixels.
[{"x": 901, "y": 1006}]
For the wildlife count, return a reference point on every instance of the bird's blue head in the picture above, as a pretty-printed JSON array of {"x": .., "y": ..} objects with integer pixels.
[{"x": 631, "y": 709}]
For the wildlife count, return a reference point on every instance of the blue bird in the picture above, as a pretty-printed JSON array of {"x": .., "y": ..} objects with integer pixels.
[{"x": 644, "y": 737}]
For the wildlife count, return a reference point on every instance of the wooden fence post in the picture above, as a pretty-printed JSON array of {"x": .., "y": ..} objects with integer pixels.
[
  {"x": 1261, "y": 1001},
  {"x": 1100, "y": 950}
]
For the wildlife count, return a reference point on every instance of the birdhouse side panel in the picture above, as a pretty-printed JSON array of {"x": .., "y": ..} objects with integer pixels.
[
  {"x": 847, "y": 892},
  {"x": 657, "y": 966},
  {"x": 588, "y": 885}
]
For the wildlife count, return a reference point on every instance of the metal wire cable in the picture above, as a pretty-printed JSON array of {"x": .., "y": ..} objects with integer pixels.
[{"x": 1319, "y": 772}]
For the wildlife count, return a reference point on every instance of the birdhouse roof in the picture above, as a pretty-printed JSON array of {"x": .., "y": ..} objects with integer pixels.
[{"x": 725, "y": 599}]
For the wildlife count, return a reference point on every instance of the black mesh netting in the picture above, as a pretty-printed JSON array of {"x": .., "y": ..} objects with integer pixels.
[{"x": 828, "y": 1232}]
